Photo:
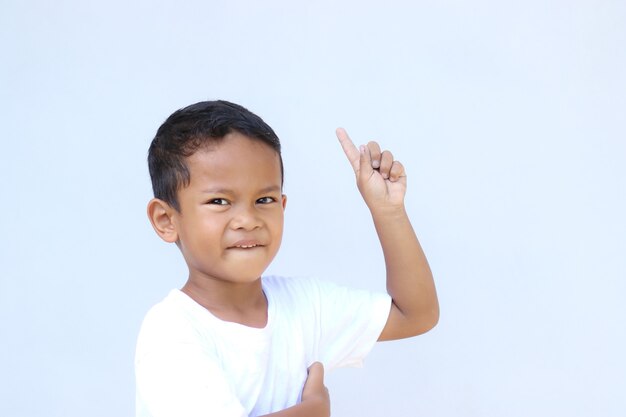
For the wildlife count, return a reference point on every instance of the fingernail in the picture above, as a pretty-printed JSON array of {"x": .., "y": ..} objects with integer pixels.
[
  {"x": 362, "y": 149},
  {"x": 375, "y": 163}
]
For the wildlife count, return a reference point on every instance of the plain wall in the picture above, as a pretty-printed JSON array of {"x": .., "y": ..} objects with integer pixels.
[{"x": 510, "y": 120}]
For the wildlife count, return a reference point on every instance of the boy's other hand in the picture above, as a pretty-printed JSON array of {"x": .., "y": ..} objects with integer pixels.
[
  {"x": 314, "y": 389},
  {"x": 381, "y": 179}
]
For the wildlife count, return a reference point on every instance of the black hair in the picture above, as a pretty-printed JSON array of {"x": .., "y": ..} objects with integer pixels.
[{"x": 194, "y": 127}]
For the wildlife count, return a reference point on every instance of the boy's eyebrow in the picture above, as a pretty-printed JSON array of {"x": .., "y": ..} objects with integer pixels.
[
  {"x": 271, "y": 188},
  {"x": 218, "y": 190}
]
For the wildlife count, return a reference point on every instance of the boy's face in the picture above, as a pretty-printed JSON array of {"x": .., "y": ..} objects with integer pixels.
[{"x": 230, "y": 223}]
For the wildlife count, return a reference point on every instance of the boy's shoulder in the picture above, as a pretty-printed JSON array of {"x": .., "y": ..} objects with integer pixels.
[
  {"x": 170, "y": 318},
  {"x": 294, "y": 293},
  {"x": 320, "y": 296},
  {"x": 295, "y": 286}
]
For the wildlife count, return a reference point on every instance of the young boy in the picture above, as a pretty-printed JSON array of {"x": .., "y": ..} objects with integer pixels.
[{"x": 231, "y": 343}]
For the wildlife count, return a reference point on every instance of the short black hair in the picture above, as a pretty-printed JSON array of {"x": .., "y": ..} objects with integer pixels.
[{"x": 192, "y": 128}]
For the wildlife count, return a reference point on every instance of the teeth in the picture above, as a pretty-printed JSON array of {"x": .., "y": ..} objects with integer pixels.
[{"x": 247, "y": 246}]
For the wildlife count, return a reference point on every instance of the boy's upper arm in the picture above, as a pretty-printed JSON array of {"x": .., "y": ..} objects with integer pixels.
[{"x": 399, "y": 327}]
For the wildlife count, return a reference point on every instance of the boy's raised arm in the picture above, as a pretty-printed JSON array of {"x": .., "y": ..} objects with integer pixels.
[{"x": 382, "y": 183}]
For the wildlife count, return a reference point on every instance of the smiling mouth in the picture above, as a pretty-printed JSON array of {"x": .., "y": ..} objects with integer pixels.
[{"x": 246, "y": 245}]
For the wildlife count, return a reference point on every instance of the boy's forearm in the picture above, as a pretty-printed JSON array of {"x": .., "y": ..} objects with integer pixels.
[
  {"x": 409, "y": 278},
  {"x": 310, "y": 408}
]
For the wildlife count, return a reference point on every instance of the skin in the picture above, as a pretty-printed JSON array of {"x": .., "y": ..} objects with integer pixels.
[
  {"x": 382, "y": 183},
  {"x": 230, "y": 225}
]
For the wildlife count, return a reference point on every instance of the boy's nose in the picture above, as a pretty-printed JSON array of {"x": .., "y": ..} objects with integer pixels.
[{"x": 245, "y": 218}]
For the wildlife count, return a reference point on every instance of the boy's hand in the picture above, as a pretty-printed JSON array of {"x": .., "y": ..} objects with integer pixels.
[
  {"x": 315, "y": 400},
  {"x": 314, "y": 389},
  {"x": 381, "y": 180}
]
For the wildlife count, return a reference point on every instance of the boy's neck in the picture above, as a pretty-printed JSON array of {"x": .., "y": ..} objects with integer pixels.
[{"x": 243, "y": 303}]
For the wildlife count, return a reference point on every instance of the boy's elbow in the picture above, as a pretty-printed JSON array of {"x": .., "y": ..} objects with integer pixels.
[
  {"x": 427, "y": 322},
  {"x": 434, "y": 319},
  {"x": 431, "y": 316}
]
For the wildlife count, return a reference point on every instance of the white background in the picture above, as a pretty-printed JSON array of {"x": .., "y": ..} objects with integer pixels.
[{"x": 510, "y": 119}]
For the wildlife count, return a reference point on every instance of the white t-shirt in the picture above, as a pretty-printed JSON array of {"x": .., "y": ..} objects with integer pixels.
[{"x": 190, "y": 363}]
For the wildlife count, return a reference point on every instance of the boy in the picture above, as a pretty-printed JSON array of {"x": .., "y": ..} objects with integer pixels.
[{"x": 230, "y": 343}]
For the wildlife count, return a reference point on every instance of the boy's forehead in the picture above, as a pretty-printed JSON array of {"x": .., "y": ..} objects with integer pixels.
[
  {"x": 233, "y": 146},
  {"x": 235, "y": 156}
]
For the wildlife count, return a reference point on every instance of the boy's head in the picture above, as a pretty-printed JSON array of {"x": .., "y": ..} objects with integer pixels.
[
  {"x": 195, "y": 127},
  {"x": 217, "y": 177}
]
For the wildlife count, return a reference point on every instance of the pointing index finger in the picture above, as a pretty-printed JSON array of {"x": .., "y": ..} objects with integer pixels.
[{"x": 351, "y": 151}]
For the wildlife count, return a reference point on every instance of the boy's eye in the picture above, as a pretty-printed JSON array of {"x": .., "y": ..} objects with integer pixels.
[
  {"x": 266, "y": 200},
  {"x": 218, "y": 201}
]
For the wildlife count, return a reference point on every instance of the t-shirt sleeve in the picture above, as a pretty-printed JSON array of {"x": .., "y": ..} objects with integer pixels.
[
  {"x": 350, "y": 322},
  {"x": 176, "y": 378}
]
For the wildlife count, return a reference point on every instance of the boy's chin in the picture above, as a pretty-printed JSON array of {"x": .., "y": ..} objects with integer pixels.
[{"x": 244, "y": 277}]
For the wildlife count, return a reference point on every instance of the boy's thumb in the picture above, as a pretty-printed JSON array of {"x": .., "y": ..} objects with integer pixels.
[{"x": 316, "y": 374}]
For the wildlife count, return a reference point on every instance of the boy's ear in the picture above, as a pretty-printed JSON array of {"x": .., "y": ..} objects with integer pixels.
[
  {"x": 160, "y": 214},
  {"x": 284, "y": 201}
]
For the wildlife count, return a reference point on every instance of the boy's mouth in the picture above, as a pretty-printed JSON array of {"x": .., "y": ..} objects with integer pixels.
[{"x": 245, "y": 244}]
